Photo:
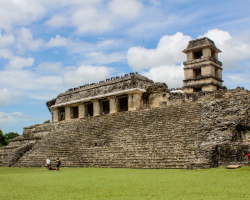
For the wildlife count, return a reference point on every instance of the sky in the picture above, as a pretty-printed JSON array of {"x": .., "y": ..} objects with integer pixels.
[{"x": 50, "y": 46}]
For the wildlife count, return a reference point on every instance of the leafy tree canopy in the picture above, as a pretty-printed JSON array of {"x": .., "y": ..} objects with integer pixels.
[
  {"x": 9, "y": 136},
  {"x": 2, "y": 139}
]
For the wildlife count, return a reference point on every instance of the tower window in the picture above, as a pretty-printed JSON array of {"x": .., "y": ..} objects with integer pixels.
[
  {"x": 197, "y": 73},
  {"x": 198, "y": 54},
  {"x": 213, "y": 54},
  {"x": 216, "y": 73},
  {"x": 197, "y": 89}
]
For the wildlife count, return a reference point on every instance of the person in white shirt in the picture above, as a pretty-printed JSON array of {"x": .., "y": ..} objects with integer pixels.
[{"x": 48, "y": 163}]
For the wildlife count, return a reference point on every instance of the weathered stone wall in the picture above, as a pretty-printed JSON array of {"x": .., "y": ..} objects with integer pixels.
[{"x": 113, "y": 85}]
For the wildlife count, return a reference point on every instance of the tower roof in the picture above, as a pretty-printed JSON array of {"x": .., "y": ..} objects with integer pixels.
[{"x": 200, "y": 44}]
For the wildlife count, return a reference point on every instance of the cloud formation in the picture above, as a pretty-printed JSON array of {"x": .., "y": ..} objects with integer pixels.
[
  {"x": 5, "y": 97},
  {"x": 168, "y": 52},
  {"x": 15, "y": 62},
  {"x": 86, "y": 74},
  {"x": 128, "y": 9},
  {"x": 19, "y": 12}
]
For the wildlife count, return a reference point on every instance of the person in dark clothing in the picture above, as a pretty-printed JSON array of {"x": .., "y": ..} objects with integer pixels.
[{"x": 58, "y": 163}]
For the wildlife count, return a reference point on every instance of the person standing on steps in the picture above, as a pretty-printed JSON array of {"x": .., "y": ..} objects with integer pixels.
[
  {"x": 48, "y": 164},
  {"x": 58, "y": 163}
]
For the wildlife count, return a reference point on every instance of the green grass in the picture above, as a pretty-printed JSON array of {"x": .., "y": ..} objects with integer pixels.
[{"x": 108, "y": 183}]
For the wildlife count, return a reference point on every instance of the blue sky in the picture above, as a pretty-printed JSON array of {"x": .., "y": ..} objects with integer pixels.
[{"x": 47, "y": 47}]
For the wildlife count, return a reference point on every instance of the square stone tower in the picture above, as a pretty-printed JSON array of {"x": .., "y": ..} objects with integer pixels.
[{"x": 202, "y": 70}]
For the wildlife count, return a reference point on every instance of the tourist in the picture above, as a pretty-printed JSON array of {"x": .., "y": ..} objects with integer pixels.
[
  {"x": 248, "y": 158},
  {"x": 58, "y": 163},
  {"x": 48, "y": 164}
]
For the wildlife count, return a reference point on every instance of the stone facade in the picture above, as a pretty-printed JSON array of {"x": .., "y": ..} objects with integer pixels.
[
  {"x": 113, "y": 95},
  {"x": 133, "y": 122}
]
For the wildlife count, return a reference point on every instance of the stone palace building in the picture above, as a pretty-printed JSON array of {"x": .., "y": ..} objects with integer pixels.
[{"x": 131, "y": 121}]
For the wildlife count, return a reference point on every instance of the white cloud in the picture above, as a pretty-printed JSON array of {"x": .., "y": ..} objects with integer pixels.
[
  {"x": 84, "y": 19},
  {"x": 105, "y": 43},
  {"x": 28, "y": 80},
  {"x": 171, "y": 75},
  {"x": 6, "y": 40},
  {"x": 58, "y": 41},
  {"x": 128, "y": 9},
  {"x": 57, "y": 21},
  {"x": 58, "y": 3},
  {"x": 25, "y": 40},
  {"x": 18, "y": 62},
  {"x": 88, "y": 19},
  {"x": 5, "y": 97},
  {"x": 15, "y": 62},
  {"x": 102, "y": 58},
  {"x": 234, "y": 49},
  {"x": 47, "y": 67},
  {"x": 8, "y": 118},
  {"x": 168, "y": 52},
  {"x": 86, "y": 74},
  {"x": 19, "y": 12}
]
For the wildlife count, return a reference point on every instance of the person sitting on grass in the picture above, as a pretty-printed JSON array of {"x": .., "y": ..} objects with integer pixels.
[
  {"x": 48, "y": 164},
  {"x": 58, "y": 163}
]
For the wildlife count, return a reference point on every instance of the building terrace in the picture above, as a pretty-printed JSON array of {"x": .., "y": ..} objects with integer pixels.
[{"x": 113, "y": 95}]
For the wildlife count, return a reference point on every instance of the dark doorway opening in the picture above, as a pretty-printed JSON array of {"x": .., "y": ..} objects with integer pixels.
[
  {"x": 61, "y": 114},
  {"x": 198, "y": 54},
  {"x": 123, "y": 104},
  {"x": 89, "y": 109},
  {"x": 74, "y": 112},
  {"x": 197, "y": 89},
  {"x": 105, "y": 107},
  {"x": 197, "y": 73}
]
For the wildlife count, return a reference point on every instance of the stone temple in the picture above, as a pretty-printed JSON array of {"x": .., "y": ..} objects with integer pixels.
[{"x": 131, "y": 121}]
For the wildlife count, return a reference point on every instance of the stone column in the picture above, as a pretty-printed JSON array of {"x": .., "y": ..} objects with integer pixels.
[
  {"x": 112, "y": 105},
  {"x": 134, "y": 101},
  {"x": 55, "y": 115},
  {"x": 207, "y": 52},
  {"x": 82, "y": 110},
  {"x": 67, "y": 112},
  {"x": 96, "y": 108},
  {"x": 190, "y": 56}
]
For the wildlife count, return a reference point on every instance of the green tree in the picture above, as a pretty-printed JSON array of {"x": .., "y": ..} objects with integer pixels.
[
  {"x": 9, "y": 136},
  {"x": 224, "y": 87},
  {"x": 2, "y": 139}
]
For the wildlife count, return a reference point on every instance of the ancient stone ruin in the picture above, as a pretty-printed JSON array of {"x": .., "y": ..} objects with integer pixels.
[{"x": 130, "y": 121}]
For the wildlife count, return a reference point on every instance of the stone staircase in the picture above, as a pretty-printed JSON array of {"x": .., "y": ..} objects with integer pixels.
[
  {"x": 5, "y": 151},
  {"x": 165, "y": 137}
]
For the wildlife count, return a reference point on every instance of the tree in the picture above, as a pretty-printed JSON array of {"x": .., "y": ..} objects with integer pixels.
[
  {"x": 2, "y": 139},
  {"x": 9, "y": 136},
  {"x": 224, "y": 87}
]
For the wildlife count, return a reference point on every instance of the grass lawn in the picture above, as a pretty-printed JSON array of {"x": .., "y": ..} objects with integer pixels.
[{"x": 117, "y": 183}]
